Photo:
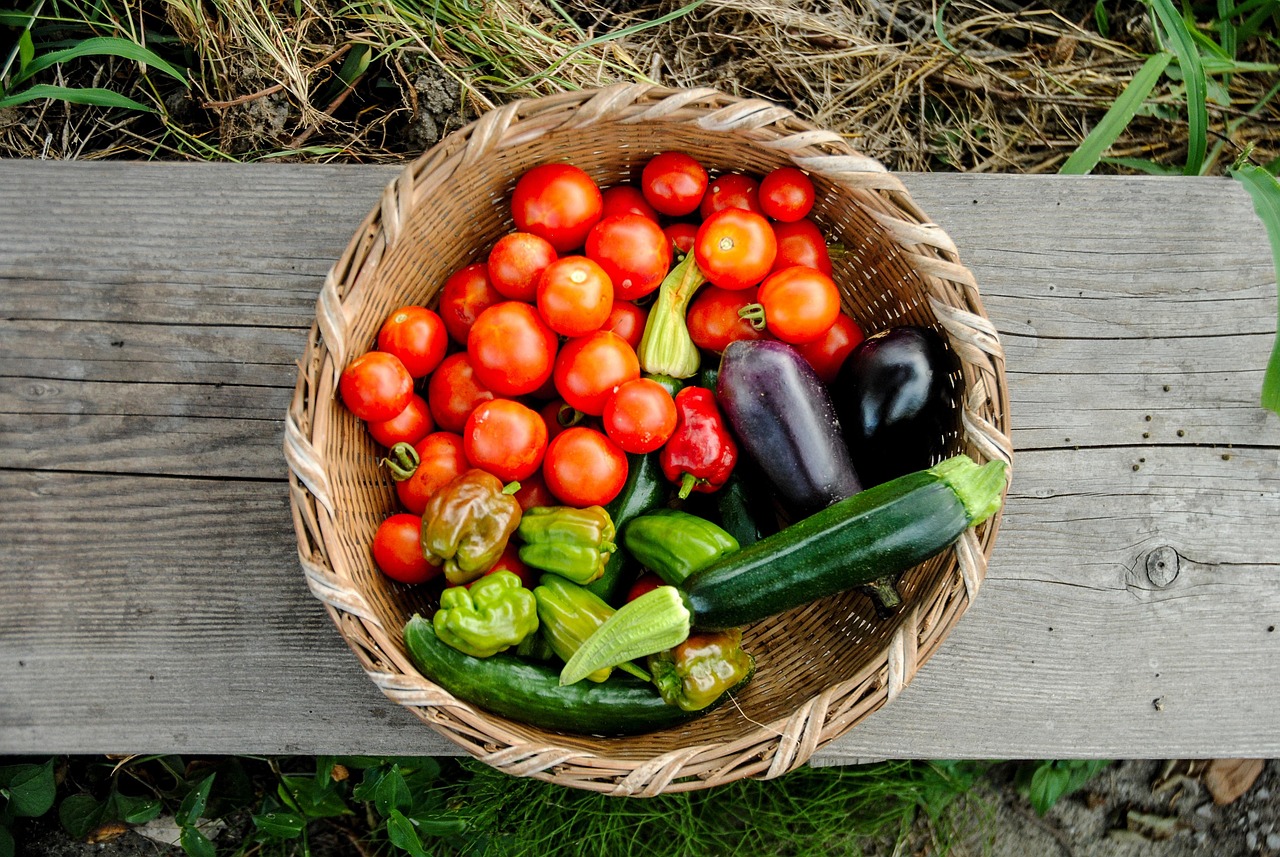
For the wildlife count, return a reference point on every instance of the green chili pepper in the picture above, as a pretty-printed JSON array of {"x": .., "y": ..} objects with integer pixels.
[
  {"x": 568, "y": 614},
  {"x": 492, "y": 615},
  {"x": 674, "y": 544},
  {"x": 574, "y": 543},
  {"x": 698, "y": 671}
]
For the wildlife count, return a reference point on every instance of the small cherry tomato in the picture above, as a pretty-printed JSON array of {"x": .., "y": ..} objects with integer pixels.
[
  {"x": 713, "y": 318},
  {"x": 505, "y": 438},
  {"x": 673, "y": 183},
  {"x": 417, "y": 336},
  {"x": 827, "y": 354},
  {"x": 640, "y": 416},
  {"x": 731, "y": 190},
  {"x": 516, "y": 262},
  {"x": 682, "y": 235},
  {"x": 801, "y": 243},
  {"x": 646, "y": 582},
  {"x": 511, "y": 349},
  {"x": 575, "y": 296},
  {"x": 534, "y": 492},
  {"x": 584, "y": 468},
  {"x": 510, "y": 561},
  {"x": 627, "y": 320},
  {"x": 409, "y": 426},
  {"x": 558, "y": 202},
  {"x": 454, "y": 391},
  {"x": 633, "y": 251},
  {"x": 376, "y": 386},
  {"x": 799, "y": 304},
  {"x": 786, "y": 194},
  {"x": 397, "y": 550},
  {"x": 735, "y": 248},
  {"x": 467, "y": 293},
  {"x": 589, "y": 368},
  {"x": 626, "y": 199},
  {"x": 441, "y": 459}
]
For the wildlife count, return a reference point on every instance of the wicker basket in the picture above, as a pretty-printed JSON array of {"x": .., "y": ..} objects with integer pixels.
[{"x": 823, "y": 667}]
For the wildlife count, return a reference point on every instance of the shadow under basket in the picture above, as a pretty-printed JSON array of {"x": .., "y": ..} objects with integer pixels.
[{"x": 822, "y": 668}]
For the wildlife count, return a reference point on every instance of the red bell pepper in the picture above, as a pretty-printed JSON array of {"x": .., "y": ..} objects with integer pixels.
[{"x": 701, "y": 453}]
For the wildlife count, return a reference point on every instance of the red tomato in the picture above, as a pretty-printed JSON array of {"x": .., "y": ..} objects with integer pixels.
[
  {"x": 673, "y": 183},
  {"x": 626, "y": 199},
  {"x": 827, "y": 354},
  {"x": 575, "y": 296},
  {"x": 558, "y": 416},
  {"x": 516, "y": 262},
  {"x": 417, "y": 336},
  {"x": 800, "y": 304},
  {"x": 409, "y": 426},
  {"x": 640, "y": 416},
  {"x": 376, "y": 386},
  {"x": 442, "y": 459},
  {"x": 801, "y": 243},
  {"x": 786, "y": 194},
  {"x": 682, "y": 235},
  {"x": 646, "y": 582},
  {"x": 558, "y": 202},
  {"x": 466, "y": 294},
  {"x": 534, "y": 492},
  {"x": 627, "y": 320},
  {"x": 633, "y": 251},
  {"x": 454, "y": 391},
  {"x": 731, "y": 190},
  {"x": 510, "y": 561},
  {"x": 511, "y": 349},
  {"x": 397, "y": 550},
  {"x": 713, "y": 319},
  {"x": 589, "y": 368},
  {"x": 584, "y": 468},
  {"x": 505, "y": 438},
  {"x": 735, "y": 248}
]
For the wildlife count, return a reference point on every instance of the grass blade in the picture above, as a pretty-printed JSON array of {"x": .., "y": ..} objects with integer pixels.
[
  {"x": 101, "y": 46},
  {"x": 74, "y": 95},
  {"x": 1184, "y": 45},
  {"x": 1144, "y": 165},
  {"x": 1265, "y": 190},
  {"x": 1117, "y": 118}
]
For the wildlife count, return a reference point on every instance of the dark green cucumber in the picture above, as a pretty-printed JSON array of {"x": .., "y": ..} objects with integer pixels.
[
  {"x": 646, "y": 489},
  {"x": 531, "y": 693},
  {"x": 881, "y": 531}
]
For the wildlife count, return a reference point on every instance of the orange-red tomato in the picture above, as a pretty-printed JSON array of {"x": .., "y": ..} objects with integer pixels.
[
  {"x": 505, "y": 438},
  {"x": 633, "y": 251},
  {"x": 442, "y": 459},
  {"x": 681, "y": 235},
  {"x": 713, "y": 319},
  {"x": 510, "y": 561},
  {"x": 673, "y": 183},
  {"x": 511, "y": 348},
  {"x": 558, "y": 202},
  {"x": 827, "y": 353},
  {"x": 801, "y": 243},
  {"x": 467, "y": 293},
  {"x": 645, "y": 583},
  {"x": 397, "y": 550},
  {"x": 640, "y": 416},
  {"x": 409, "y": 426},
  {"x": 786, "y": 194},
  {"x": 735, "y": 248},
  {"x": 575, "y": 296},
  {"x": 376, "y": 386},
  {"x": 516, "y": 262},
  {"x": 626, "y": 199},
  {"x": 534, "y": 492},
  {"x": 584, "y": 468},
  {"x": 731, "y": 190},
  {"x": 800, "y": 304},
  {"x": 454, "y": 391},
  {"x": 417, "y": 336},
  {"x": 627, "y": 320},
  {"x": 589, "y": 368}
]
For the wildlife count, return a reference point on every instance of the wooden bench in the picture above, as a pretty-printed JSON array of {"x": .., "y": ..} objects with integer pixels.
[{"x": 151, "y": 594}]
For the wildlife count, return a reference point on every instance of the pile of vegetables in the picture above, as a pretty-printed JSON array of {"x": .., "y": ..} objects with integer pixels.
[{"x": 644, "y": 422}]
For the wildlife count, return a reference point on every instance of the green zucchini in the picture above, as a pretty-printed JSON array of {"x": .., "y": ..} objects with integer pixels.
[{"x": 646, "y": 489}]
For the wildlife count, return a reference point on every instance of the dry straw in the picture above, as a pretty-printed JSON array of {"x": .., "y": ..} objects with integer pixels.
[{"x": 823, "y": 667}]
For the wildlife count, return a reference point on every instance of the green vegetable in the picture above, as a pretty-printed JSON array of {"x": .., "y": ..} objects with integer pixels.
[
  {"x": 466, "y": 525},
  {"x": 666, "y": 347},
  {"x": 531, "y": 693},
  {"x": 642, "y": 627},
  {"x": 666, "y": 382},
  {"x": 568, "y": 614},
  {"x": 646, "y": 489},
  {"x": 673, "y": 544},
  {"x": 493, "y": 615},
  {"x": 574, "y": 543},
  {"x": 700, "y": 670},
  {"x": 733, "y": 504}
]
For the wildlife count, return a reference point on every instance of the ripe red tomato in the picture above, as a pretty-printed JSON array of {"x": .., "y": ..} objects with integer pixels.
[
  {"x": 510, "y": 561},
  {"x": 442, "y": 459},
  {"x": 735, "y": 248},
  {"x": 800, "y": 304},
  {"x": 589, "y": 368},
  {"x": 731, "y": 190},
  {"x": 673, "y": 183},
  {"x": 558, "y": 416},
  {"x": 376, "y": 386},
  {"x": 626, "y": 199},
  {"x": 511, "y": 349},
  {"x": 584, "y": 468},
  {"x": 454, "y": 391},
  {"x": 645, "y": 583},
  {"x": 827, "y": 353},
  {"x": 801, "y": 243},
  {"x": 417, "y": 336},
  {"x": 633, "y": 251},
  {"x": 397, "y": 550},
  {"x": 640, "y": 416},
  {"x": 682, "y": 235},
  {"x": 534, "y": 492},
  {"x": 575, "y": 296},
  {"x": 505, "y": 438},
  {"x": 627, "y": 320},
  {"x": 786, "y": 194},
  {"x": 409, "y": 426},
  {"x": 558, "y": 202},
  {"x": 467, "y": 293},
  {"x": 713, "y": 319},
  {"x": 516, "y": 262}
]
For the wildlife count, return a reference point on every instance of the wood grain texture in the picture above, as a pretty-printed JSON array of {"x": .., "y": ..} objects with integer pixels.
[{"x": 150, "y": 317}]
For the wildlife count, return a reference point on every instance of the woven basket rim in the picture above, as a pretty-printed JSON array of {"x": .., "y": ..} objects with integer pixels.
[{"x": 772, "y": 748}]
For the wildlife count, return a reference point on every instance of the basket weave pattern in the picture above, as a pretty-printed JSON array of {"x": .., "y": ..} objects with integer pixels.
[{"x": 823, "y": 667}]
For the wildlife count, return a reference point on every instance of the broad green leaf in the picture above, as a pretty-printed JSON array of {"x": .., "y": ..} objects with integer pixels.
[
  {"x": 32, "y": 790},
  {"x": 314, "y": 799},
  {"x": 393, "y": 793},
  {"x": 74, "y": 95},
  {"x": 196, "y": 844},
  {"x": 1265, "y": 191},
  {"x": 1048, "y": 783},
  {"x": 1184, "y": 46},
  {"x": 192, "y": 806},
  {"x": 135, "y": 810},
  {"x": 1117, "y": 118},
  {"x": 1101, "y": 20},
  {"x": 280, "y": 824},
  {"x": 403, "y": 834},
  {"x": 80, "y": 814},
  {"x": 26, "y": 50},
  {"x": 102, "y": 46},
  {"x": 439, "y": 823}
]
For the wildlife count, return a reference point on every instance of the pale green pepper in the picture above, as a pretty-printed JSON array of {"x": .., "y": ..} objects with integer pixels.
[{"x": 492, "y": 615}]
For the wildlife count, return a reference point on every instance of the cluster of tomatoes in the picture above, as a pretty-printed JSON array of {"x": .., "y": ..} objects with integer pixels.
[{"x": 527, "y": 367}]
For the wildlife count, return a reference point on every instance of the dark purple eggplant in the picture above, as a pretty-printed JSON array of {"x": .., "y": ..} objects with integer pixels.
[
  {"x": 783, "y": 417},
  {"x": 896, "y": 399}
]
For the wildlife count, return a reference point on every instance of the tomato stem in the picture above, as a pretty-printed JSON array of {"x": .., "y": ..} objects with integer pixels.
[
  {"x": 753, "y": 313},
  {"x": 402, "y": 461}
]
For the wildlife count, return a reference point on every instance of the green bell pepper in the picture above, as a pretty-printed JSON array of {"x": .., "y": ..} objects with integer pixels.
[
  {"x": 568, "y": 614},
  {"x": 674, "y": 544},
  {"x": 492, "y": 615},
  {"x": 573, "y": 543},
  {"x": 700, "y": 670}
]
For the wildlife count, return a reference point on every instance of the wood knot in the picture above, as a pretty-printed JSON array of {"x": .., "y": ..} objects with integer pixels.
[{"x": 1162, "y": 566}]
